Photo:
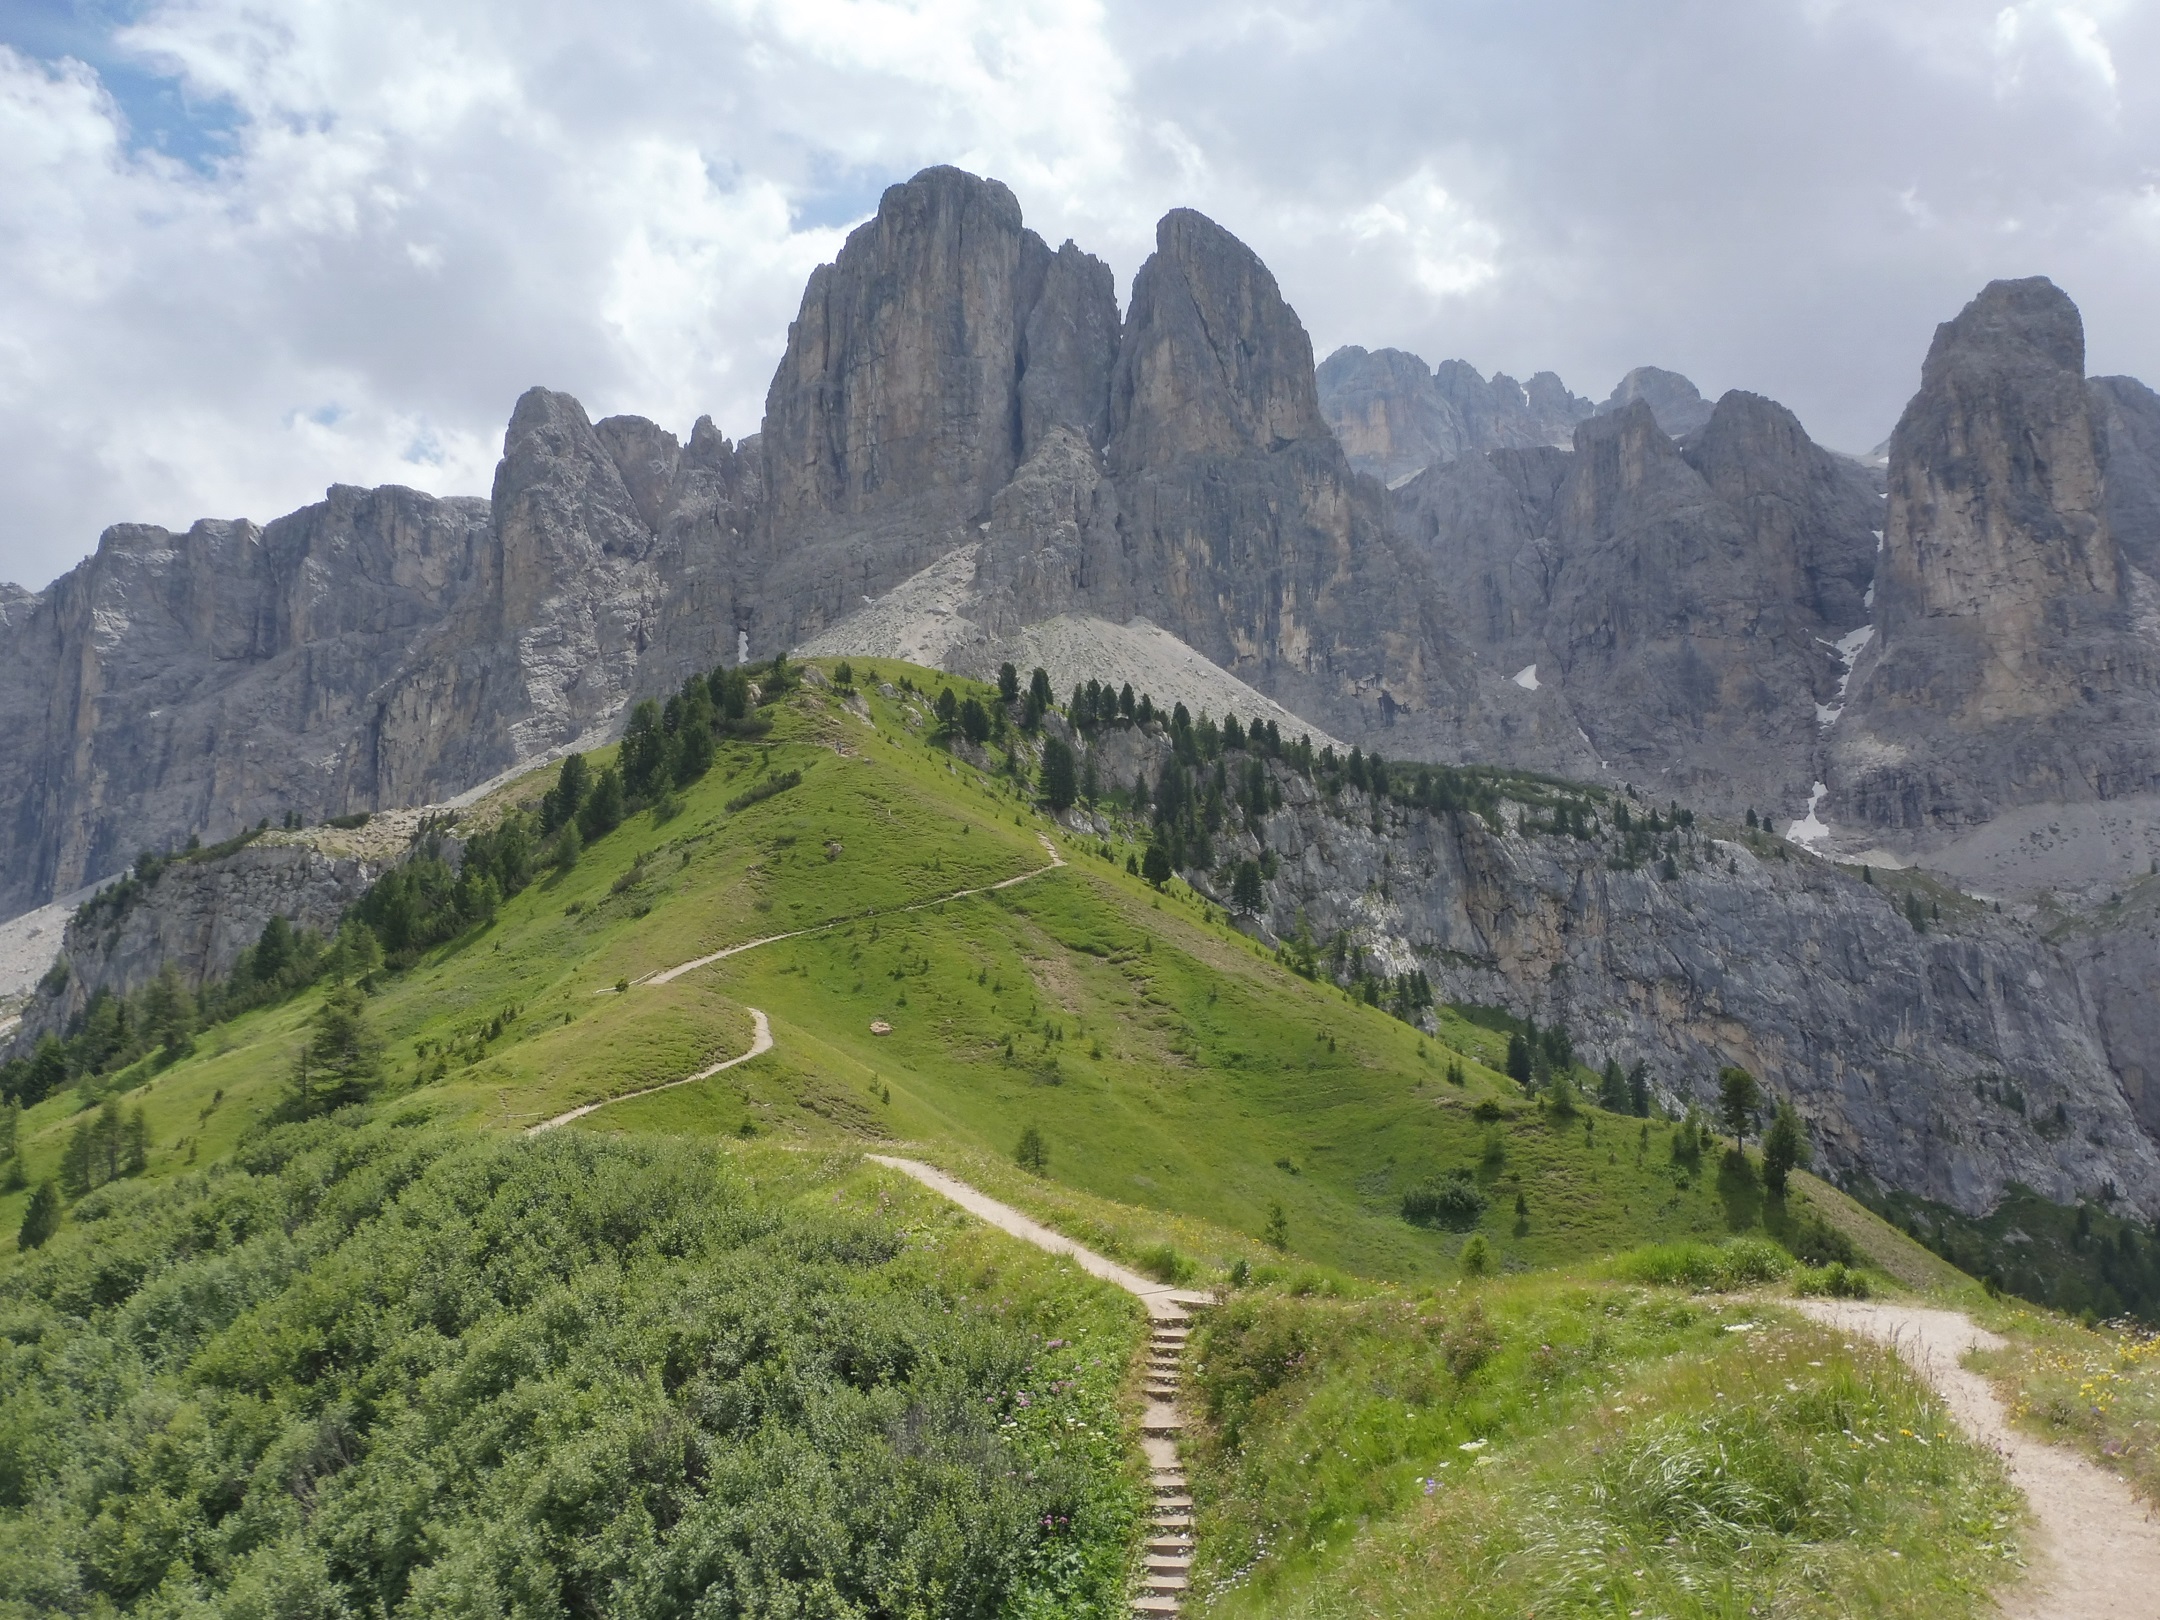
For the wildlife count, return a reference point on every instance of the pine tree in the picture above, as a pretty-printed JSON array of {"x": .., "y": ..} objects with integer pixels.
[
  {"x": 644, "y": 752},
  {"x": 1518, "y": 1061},
  {"x": 1278, "y": 1228},
  {"x": 1738, "y": 1099},
  {"x": 41, "y": 1220},
  {"x": 562, "y": 802},
  {"x": 1059, "y": 779},
  {"x": 1008, "y": 684},
  {"x": 1246, "y": 894},
  {"x": 339, "y": 1063},
  {"x": 1638, "y": 1085},
  {"x": 1613, "y": 1088},
  {"x": 1156, "y": 866},
  {"x": 568, "y": 847},
  {"x": 1033, "y": 1153},
  {"x": 1785, "y": 1147},
  {"x": 603, "y": 811}
]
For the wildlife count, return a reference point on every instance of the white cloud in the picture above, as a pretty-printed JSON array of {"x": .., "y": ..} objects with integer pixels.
[
  {"x": 256, "y": 246},
  {"x": 1448, "y": 248}
]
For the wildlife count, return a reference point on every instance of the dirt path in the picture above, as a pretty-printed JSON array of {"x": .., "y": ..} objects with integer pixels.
[
  {"x": 1167, "y": 1568},
  {"x": 680, "y": 968},
  {"x": 2097, "y": 1551},
  {"x": 760, "y": 1041}
]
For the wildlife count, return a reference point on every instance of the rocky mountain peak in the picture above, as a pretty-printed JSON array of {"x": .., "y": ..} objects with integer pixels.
[
  {"x": 1676, "y": 403},
  {"x": 2008, "y": 667},
  {"x": 2024, "y": 324},
  {"x": 901, "y": 377},
  {"x": 1812, "y": 516},
  {"x": 1214, "y": 361}
]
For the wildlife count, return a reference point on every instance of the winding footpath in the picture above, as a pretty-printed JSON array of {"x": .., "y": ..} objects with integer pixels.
[
  {"x": 761, "y": 1040},
  {"x": 2098, "y": 1547},
  {"x": 680, "y": 968},
  {"x": 1167, "y": 1570}
]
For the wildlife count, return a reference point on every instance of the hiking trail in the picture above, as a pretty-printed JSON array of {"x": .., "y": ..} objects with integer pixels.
[
  {"x": 1167, "y": 1572},
  {"x": 2096, "y": 1553}
]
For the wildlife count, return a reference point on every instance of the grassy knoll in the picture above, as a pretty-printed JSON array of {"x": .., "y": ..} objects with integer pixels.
[
  {"x": 1170, "y": 1062},
  {"x": 1562, "y": 1445},
  {"x": 631, "y": 1350}
]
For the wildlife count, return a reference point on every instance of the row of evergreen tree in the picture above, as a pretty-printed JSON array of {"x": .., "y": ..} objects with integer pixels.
[{"x": 420, "y": 903}]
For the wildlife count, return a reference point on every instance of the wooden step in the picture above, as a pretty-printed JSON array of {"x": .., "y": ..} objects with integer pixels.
[
  {"x": 1173, "y": 1519},
  {"x": 1161, "y": 1419},
  {"x": 1170, "y": 1546},
  {"x": 1163, "y": 1503},
  {"x": 1169, "y": 1563},
  {"x": 1163, "y": 1585},
  {"x": 1169, "y": 1485},
  {"x": 1155, "y": 1605}
]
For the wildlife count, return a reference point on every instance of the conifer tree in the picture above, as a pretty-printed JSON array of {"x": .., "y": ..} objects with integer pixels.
[
  {"x": 1738, "y": 1099},
  {"x": 1785, "y": 1148},
  {"x": 41, "y": 1220},
  {"x": 1060, "y": 780}
]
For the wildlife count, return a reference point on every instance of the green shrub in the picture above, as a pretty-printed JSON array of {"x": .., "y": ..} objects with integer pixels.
[
  {"x": 1837, "y": 1280},
  {"x": 394, "y": 1368},
  {"x": 1453, "y": 1200},
  {"x": 1165, "y": 1264},
  {"x": 1707, "y": 1268},
  {"x": 765, "y": 790}
]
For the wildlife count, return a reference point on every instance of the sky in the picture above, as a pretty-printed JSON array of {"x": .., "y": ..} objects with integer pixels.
[{"x": 250, "y": 249}]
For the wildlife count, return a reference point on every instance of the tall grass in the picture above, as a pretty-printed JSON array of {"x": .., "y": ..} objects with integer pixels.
[{"x": 1598, "y": 1450}]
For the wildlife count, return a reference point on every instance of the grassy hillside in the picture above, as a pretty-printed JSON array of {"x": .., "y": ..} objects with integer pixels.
[{"x": 1208, "y": 1114}]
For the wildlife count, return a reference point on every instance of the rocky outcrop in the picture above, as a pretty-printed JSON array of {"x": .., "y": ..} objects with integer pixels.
[
  {"x": 195, "y": 916},
  {"x": 1814, "y": 520},
  {"x": 2017, "y": 653},
  {"x": 1395, "y": 417},
  {"x": 2128, "y": 415},
  {"x": 1949, "y": 1063},
  {"x": 1681, "y": 606}
]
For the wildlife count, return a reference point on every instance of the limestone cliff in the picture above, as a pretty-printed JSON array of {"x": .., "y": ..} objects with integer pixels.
[
  {"x": 2017, "y": 652},
  {"x": 1948, "y": 1063}
]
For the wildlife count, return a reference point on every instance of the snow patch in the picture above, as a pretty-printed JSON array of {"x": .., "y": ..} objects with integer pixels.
[
  {"x": 1526, "y": 678},
  {"x": 1811, "y": 828},
  {"x": 1848, "y": 648}
]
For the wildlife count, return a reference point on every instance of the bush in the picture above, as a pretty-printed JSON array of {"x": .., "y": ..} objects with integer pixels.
[
  {"x": 1453, "y": 1200},
  {"x": 1707, "y": 1268},
  {"x": 764, "y": 790},
  {"x": 1164, "y": 1263},
  {"x": 1476, "y": 1256},
  {"x": 377, "y": 1335},
  {"x": 1837, "y": 1280}
]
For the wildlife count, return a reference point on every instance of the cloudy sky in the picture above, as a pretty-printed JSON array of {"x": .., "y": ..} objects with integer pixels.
[{"x": 251, "y": 247}]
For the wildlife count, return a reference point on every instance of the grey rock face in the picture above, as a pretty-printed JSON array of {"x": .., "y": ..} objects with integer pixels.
[
  {"x": 379, "y": 648},
  {"x": 2017, "y": 658},
  {"x": 1809, "y": 978},
  {"x": 1242, "y": 530},
  {"x": 197, "y": 916},
  {"x": 1813, "y": 518},
  {"x": 194, "y": 683},
  {"x": 2128, "y": 414},
  {"x": 1395, "y": 417},
  {"x": 1679, "y": 605},
  {"x": 937, "y": 350},
  {"x": 1676, "y": 403}
]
